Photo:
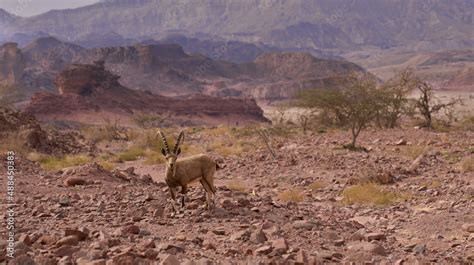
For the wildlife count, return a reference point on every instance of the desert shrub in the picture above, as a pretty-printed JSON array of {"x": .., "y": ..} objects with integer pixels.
[
  {"x": 317, "y": 185},
  {"x": 153, "y": 157},
  {"x": 228, "y": 148},
  {"x": 51, "y": 163},
  {"x": 394, "y": 95},
  {"x": 237, "y": 185},
  {"x": 428, "y": 104},
  {"x": 431, "y": 184},
  {"x": 353, "y": 106},
  {"x": 467, "y": 123},
  {"x": 413, "y": 151},
  {"x": 291, "y": 195},
  {"x": 467, "y": 164},
  {"x": 131, "y": 154},
  {"x": 106, "y": 165},
  {"x": 145, "y": 120},
  {"x": 370, "y": 194}
]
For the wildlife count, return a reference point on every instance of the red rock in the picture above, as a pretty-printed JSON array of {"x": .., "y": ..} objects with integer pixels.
[
  {"x": 65, "y": 250},
  {"x": 258, "y": 236},
  {"x": 280, "y": 245},
  {"x": 263, "y": 250},
  {"x": 68, "y": 240},
  {"x": 73, "y": 181},
  {"x": 131, "y": 229},
  {"x": 81, "y": 233},
  {"x": 169, "y": 260}
]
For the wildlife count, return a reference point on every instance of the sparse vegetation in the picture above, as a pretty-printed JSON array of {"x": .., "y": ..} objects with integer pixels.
[
  {"x": 354, "y": 106},
  {"x": 413, "y": 151},
  {"x": 146, "y": 121},
  {"x": 394, "y": 94},
  {"x": 131, "y": 154},
  {"x": 236, "y": 185},
  {"x": 370, "y": 194},
  {"x": 467, "y": 123},
  {"x": 427, "y": 103},
  {"x": 317, "y": 185},
  {"x": 291, "y": 195},
  {"x": 51, "y": 163},
  {"x": 467, "y": 164}
]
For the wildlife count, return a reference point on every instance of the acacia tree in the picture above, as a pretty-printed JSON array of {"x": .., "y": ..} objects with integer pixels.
[
  {"x": 354, "y": 105},
  {"x": 394, "y": 94},
  {"x": 428, "y": 104}
]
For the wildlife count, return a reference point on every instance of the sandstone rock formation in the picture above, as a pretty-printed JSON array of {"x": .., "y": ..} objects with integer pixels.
[
  {"x": 12, "y": 64},
  {"x": 92, "y": 89}
]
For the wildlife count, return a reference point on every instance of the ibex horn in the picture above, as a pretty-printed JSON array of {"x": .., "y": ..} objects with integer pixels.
[
  {"x": 179, "y": 141},
  {"x": 163, "y": 139}
]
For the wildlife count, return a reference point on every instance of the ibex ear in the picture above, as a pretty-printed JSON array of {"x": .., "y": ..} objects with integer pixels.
[
  {"x": 179, "y": 151},
  {"x": 163, "y": 151}
]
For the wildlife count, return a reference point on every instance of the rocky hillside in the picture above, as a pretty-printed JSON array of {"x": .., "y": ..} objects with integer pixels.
[
  {"x": 308, "y": 206},
  {"x": 168, "y": 70},
  {"x": 89, "y": 92},
  {"x": 320, "y": 24},
  {"x": 438, "y": 67}
]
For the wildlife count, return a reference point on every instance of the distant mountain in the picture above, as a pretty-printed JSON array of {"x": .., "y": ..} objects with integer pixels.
[
  {"x": 5, "y": 20},
  {"x": 296, "y": 24},
  {"x": 168, "y": 70},
  {"x": 447, "y": 69},
  {"x": 5, "y": 17}
]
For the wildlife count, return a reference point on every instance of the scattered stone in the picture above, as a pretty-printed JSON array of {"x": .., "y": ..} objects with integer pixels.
[
  {"x": 401, "y": 142},
  {"x": 370, "y": 247},
  {"x": 263, "y": 250},
  {"x": 131, "y": 229},
  {"x": 375, "y": 236},
  {"x": 66, "y": 250},
  {"x": 22, "y": 260},
  {"x": 25, "y": 239},
  {"x": 303, "y": 224},
  {"x": 73, "y": 181},
  {"x": 280, "y": 245},
  {"x": 81, "y": 233},
  {"x": 468, "y": 227},
  {"x": 258, "y": 236},
  {"x": 301, "y": 257},
  {"x": 420, "y": 249},
  {"x": 169, "y": 260},
  {"x": 241, "y": 235},
  {"x": 68, "y": 240}
]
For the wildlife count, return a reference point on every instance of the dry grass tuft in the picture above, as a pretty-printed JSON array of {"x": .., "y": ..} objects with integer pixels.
[
  {"x": 292, "y": 195},
  {"x": 131, "y": 154},
  {"x": 370, "y": 194},
  {"x": 107, "y": 165},
  {"x": 237, "y": 185},
  {"x": 432, "y": 184},
  {"x": 317, "y": 185},
  {"x": 413, "y": 151},
  {"x": 467, "y": 164},
  {"x": 51, "y": 163}
]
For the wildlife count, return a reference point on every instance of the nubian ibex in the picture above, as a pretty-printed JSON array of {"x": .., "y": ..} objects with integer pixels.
[{"x": 181, "y": 172}]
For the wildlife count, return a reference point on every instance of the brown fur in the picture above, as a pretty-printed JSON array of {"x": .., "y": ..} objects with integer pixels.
[{"x": 182, "y": 172}]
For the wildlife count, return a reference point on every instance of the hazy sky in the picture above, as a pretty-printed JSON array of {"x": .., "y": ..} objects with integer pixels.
[{"x": 27, "y": 8}]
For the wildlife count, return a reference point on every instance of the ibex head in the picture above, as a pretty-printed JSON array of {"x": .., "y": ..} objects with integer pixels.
[{"x": 169, "y": 155}]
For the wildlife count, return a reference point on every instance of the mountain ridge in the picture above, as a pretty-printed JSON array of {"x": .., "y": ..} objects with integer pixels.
[{"x": 317, "y": 24}]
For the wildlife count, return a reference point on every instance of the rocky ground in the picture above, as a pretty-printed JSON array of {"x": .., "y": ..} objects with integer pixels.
[{"x": 291, "y": 209}]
